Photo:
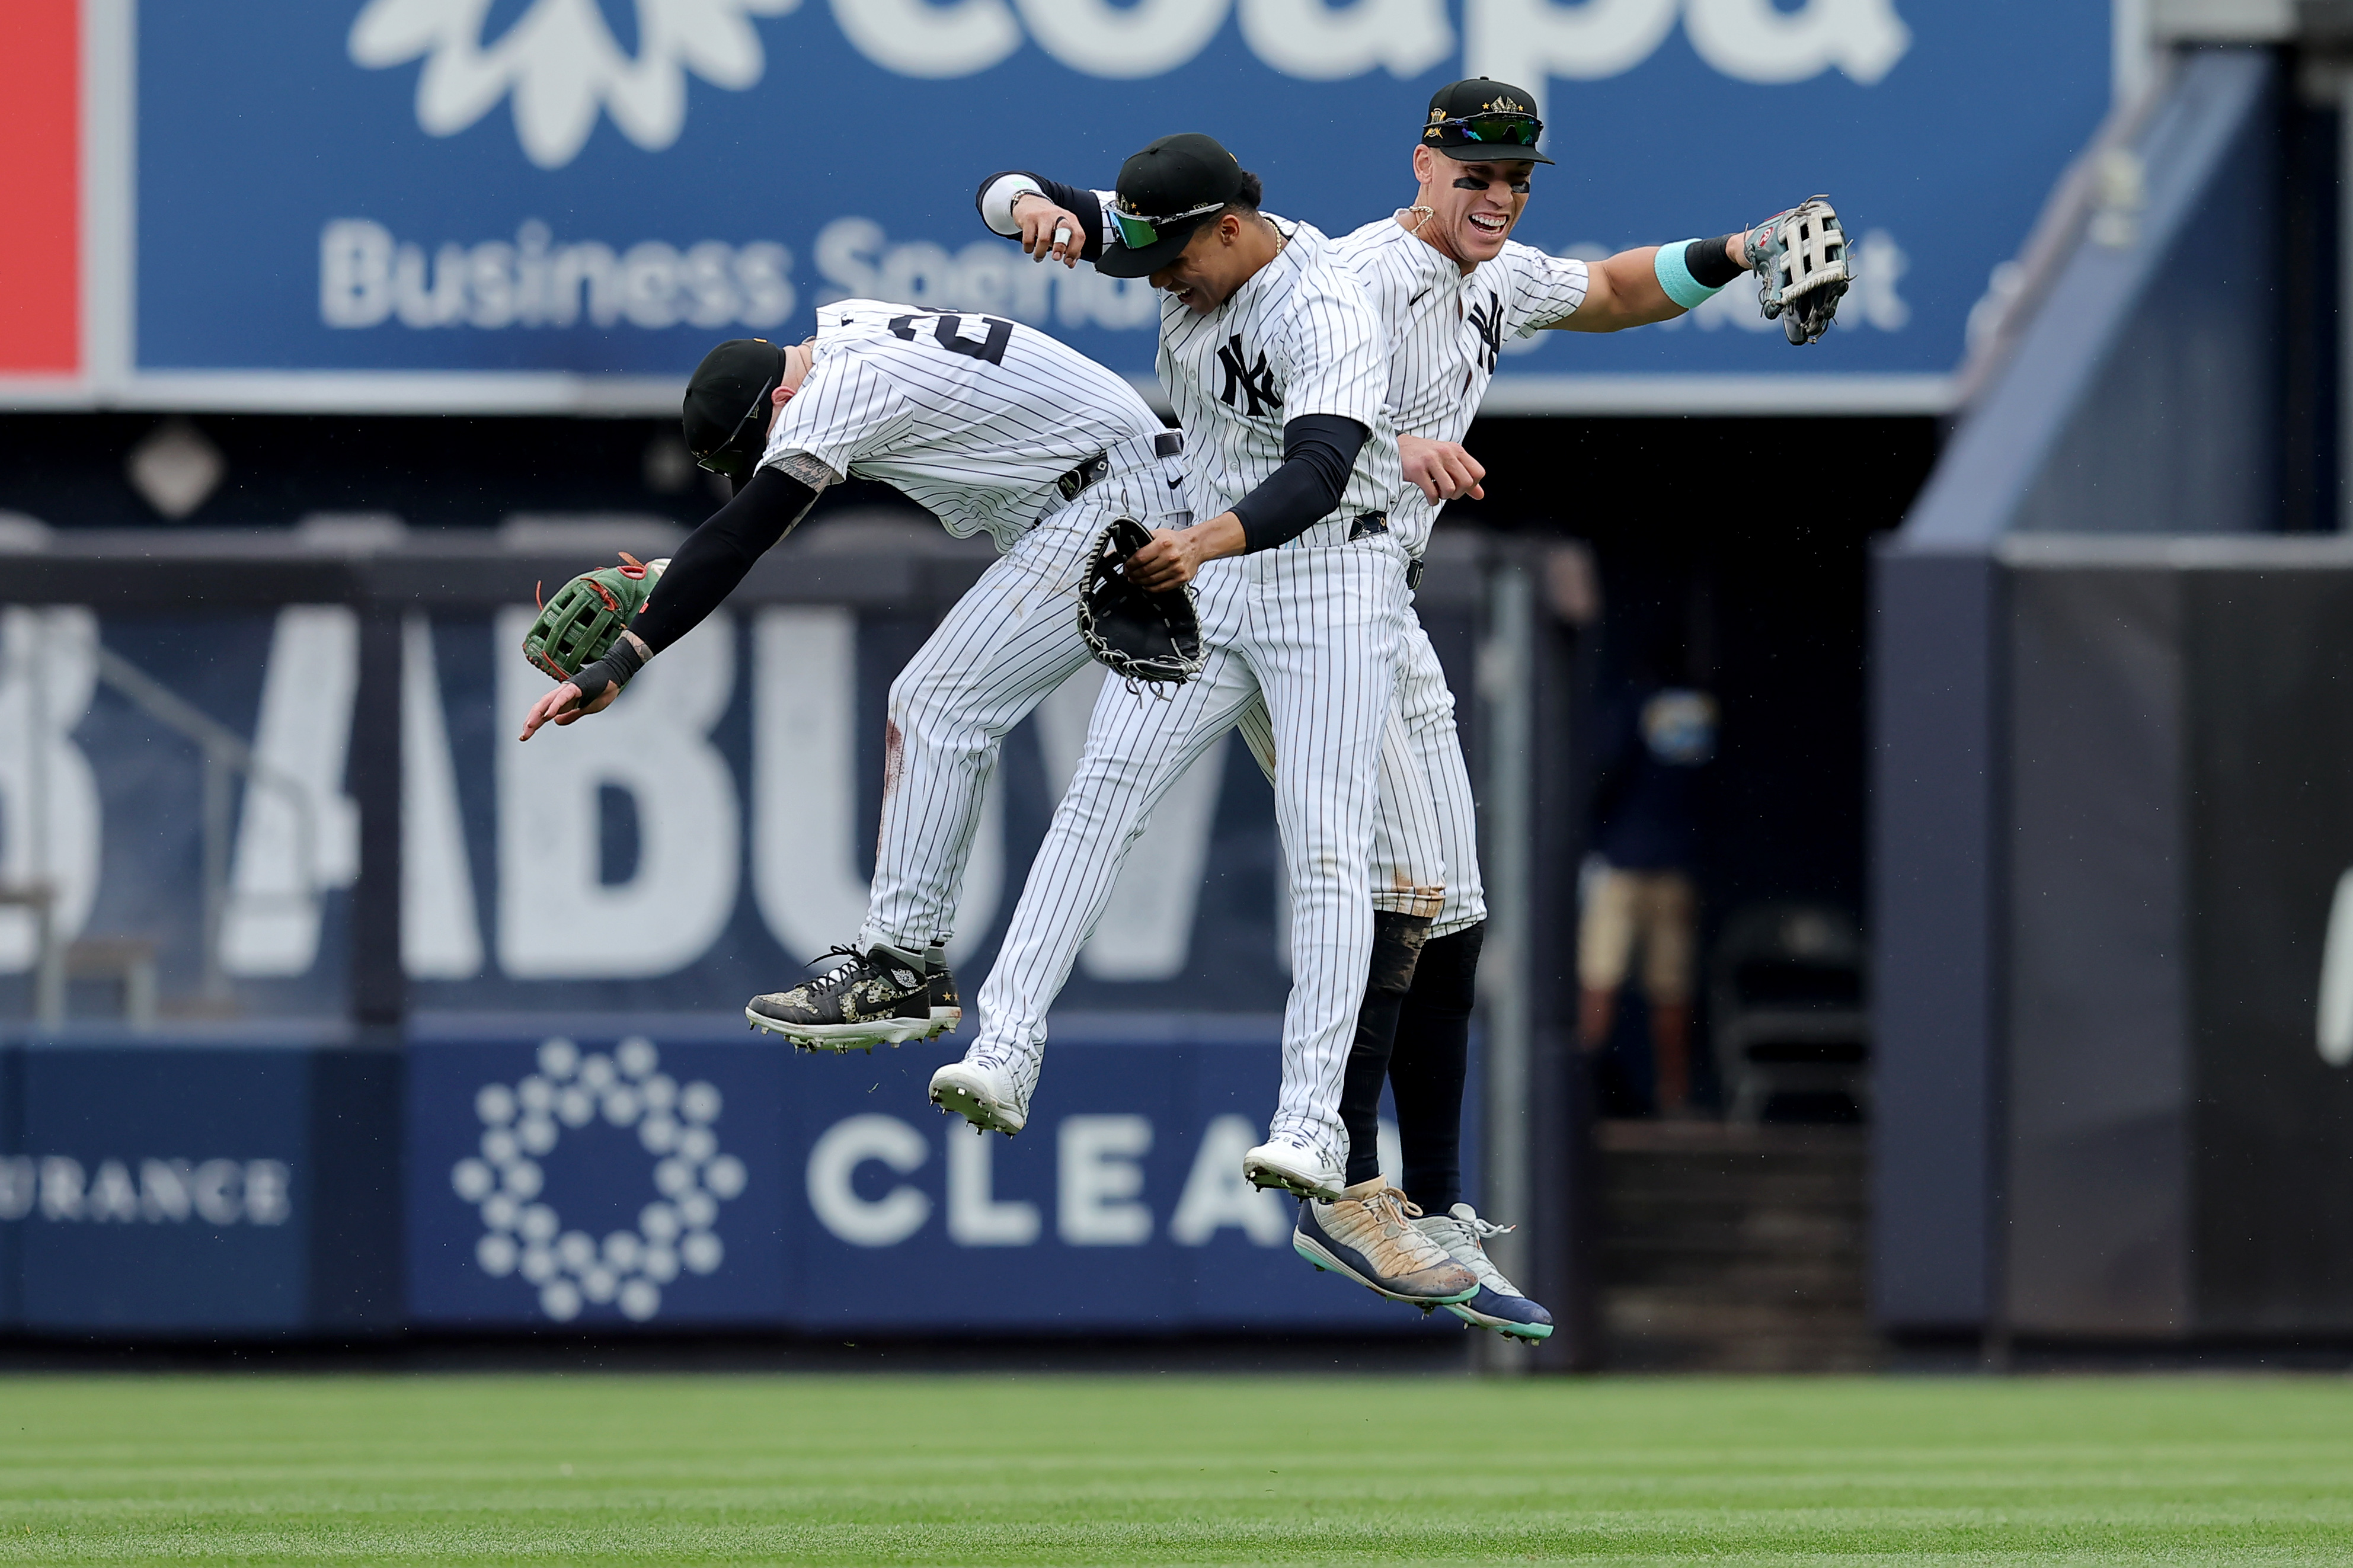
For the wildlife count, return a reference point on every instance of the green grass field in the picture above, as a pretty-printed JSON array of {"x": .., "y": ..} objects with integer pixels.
[{"x": 645, "y": 1469}]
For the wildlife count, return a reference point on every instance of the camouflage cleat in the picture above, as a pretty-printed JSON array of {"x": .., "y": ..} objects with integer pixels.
[{"x": 879, "y": 997}]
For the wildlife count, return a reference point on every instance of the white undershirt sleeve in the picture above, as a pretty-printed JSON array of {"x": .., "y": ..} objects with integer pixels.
[{"x": 996, "y": 203}]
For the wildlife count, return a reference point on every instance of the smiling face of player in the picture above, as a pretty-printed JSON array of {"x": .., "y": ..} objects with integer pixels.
[
  {"x": 1472, "y": 207},
  {"x": 1220, "y": 258}
]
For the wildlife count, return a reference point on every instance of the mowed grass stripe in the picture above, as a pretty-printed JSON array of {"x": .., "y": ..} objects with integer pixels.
[{"x": 262, "y": 1469}]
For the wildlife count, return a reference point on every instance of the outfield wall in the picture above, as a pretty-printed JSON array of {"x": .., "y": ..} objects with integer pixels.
[
  {"x": 2112, "y": 756},
  {"x": 606, "y": 1172},
  {"x": 449, "y": 1035}
]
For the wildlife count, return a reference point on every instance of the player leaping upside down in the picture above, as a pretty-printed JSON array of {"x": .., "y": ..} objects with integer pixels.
[
  {"x": 1451, "y": 285},
  {"x": 990, "y": 425},
  {"x": 1278, "y": 369}
]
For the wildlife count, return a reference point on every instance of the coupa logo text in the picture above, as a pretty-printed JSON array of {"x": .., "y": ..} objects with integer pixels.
[
  {"x": 58, "y": 1187},
  {"x": 562, "y": 64}
]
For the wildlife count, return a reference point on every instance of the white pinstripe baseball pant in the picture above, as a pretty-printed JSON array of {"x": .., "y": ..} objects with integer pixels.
[
  {"x": 1011, "y": 640},
  {"x": 1426, "y": 841},
  {"x": 1312, "y": 629}
]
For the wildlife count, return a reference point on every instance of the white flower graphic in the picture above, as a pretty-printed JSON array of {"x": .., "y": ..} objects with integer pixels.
[
  {"x": 523, "y": 1235},
  {"x": 563, "y": 64}
]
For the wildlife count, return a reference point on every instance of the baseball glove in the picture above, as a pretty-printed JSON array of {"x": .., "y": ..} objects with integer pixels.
[
  {"x": 1139, "y": 637},
  {"x": 587, "y": 616},
  {"x": 1799, "y": 258}
]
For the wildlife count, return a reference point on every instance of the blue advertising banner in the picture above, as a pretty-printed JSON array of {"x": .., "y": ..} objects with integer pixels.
[
  {"x": 159, "y": 1190},
  {"x": 355, "y": 203},
  {"x": 684, "y": 1173}
]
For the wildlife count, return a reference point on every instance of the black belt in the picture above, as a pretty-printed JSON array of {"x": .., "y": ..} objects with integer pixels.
[
  {"x": 1087, "y": 475},
  {"x": 1371, "y": 523}
]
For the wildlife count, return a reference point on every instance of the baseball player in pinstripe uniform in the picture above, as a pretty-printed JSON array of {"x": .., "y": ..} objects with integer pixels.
[
  {"x": 1277, "y": 369},
  {"x": 1450, "y": 287},
  {"x": 990, "y": 425}
]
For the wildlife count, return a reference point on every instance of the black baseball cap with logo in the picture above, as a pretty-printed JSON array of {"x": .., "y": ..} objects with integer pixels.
[
  {"x": 726, "y": 412},
  {"x": 1165, "y": 192},
  {"x": 1481, "y": 120}
]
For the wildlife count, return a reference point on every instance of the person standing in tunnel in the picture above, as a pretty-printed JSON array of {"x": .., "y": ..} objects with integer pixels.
[{"x": 1639, "y": 888}]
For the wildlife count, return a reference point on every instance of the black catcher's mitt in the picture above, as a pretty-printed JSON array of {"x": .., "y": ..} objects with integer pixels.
[{"x": 1138, "y": 636}]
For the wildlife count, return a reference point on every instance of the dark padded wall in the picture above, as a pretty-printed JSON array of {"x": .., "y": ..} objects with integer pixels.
[
  {"x": 1935, "y": 803},
  {"x": 354, "y": 1278},
  {"x": 2098, "y": 1092},
  {"x": 2271, "y": 690}
]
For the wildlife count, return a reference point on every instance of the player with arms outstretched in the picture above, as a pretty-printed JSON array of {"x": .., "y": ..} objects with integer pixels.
[{"x": 1450, "y": 286}]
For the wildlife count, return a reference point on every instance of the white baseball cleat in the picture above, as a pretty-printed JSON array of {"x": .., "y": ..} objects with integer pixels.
[
  {"x": 1291, "y": 1166},
  {"x": 988, "y": 1089}
]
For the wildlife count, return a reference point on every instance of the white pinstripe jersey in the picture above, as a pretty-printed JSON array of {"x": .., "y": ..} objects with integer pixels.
[
  {"x": 974, "y": 418},
  {"x": 1444, "y": 332},
  {"x": 1297, "y": 338}
]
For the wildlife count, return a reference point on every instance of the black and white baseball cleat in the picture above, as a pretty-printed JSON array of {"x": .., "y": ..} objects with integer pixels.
[{"x": 879, "y": 997}]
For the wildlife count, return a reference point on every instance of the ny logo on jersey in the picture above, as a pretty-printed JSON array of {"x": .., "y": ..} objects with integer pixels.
[
  {"x": 1487, "y": 321},
  {"x": 1256, "y": 382}
]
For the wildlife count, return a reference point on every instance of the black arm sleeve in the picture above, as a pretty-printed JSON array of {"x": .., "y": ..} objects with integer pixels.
[
  {"x": 1318, "y": 450},
  {"x": 1082, "y": 201},
  {"x": 715, "y": 556}
]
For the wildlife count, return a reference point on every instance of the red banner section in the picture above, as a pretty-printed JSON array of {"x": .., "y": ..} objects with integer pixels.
[{"x": 40, "y": 184}]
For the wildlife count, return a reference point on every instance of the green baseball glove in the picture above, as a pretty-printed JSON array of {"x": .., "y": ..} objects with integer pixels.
[{"x": 587, "y": 616}]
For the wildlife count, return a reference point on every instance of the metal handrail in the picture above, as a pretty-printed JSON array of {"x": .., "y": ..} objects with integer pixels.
[
  {"x": 2086, "y": 188},
  {"x": 225, "y": 751}
]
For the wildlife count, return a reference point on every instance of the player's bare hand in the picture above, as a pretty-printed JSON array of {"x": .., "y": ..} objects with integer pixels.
[
  {"x": 1168, "y": 561},
  {"x": 1176, "y": 554},
  {"x": 563, "y": 706},
  {"x": 1048, "y": 231},
  {"x": 1441, "y": 471}
]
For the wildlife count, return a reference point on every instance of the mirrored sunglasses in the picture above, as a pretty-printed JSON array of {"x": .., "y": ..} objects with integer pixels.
[
  {"x": 1495, "y": 130},
  {"x": 1136, "y": 231}
]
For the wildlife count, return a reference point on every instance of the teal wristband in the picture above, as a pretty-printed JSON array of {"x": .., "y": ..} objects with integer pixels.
[{"x": 1675, "y": 277}]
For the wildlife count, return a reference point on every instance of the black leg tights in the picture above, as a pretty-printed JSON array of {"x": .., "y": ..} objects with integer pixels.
[
  {"x": 1427, "y": 1067},
  {"x": 1396, "y": 944}
]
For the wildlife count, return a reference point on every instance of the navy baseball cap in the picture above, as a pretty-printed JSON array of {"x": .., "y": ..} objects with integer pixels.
[
  {"x": 1481, "y": 121},
  {"x": 1165, "y": 192},
  {"x": 726, "y": 416}
]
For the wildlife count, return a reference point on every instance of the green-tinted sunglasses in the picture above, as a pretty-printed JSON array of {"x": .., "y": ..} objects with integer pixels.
[
  {"x": 1497, "y": 129},
  {"x": 1136, "y": 231}
]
